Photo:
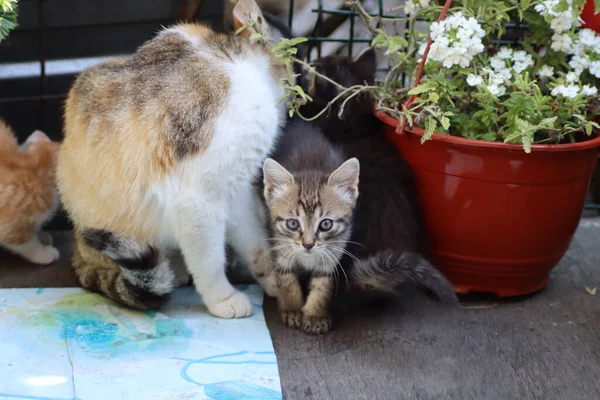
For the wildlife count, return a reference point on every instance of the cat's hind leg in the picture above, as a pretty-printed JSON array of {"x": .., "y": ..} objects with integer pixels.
[
  {"x": 132, "y": 273},
  {"x": 247, "y": 235},
  {"x": 200, "y": 226}
]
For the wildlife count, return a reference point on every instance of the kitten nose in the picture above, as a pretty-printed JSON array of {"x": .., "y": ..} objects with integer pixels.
[{"x": 308, "y": 246}]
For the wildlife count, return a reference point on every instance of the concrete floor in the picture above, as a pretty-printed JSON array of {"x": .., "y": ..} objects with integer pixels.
[{"x": 545, "y": 346}]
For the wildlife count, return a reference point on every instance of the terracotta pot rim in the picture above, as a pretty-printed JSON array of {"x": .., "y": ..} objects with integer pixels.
[{"x": 460, "y": 141}]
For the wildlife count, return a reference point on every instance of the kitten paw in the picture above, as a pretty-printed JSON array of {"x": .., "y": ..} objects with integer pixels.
[
  {"x": 292, "y": 319},
  {"x": 316, "y": 325},
  {"x": 44, "y": 255},
  {"x": 237, "y": 305}
]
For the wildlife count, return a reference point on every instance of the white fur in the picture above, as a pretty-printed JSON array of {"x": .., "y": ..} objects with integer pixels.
[
  {"x": 195, "y": 202},
  {"x": 35, "y": 251}
]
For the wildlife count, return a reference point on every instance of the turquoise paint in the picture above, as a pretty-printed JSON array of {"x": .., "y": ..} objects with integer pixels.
[{"x": 239, "y": 390}]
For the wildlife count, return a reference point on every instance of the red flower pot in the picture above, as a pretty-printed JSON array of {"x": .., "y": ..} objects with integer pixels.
[
  {"x": 498, "y": 219},
  {"x": 591, "y": 20}
]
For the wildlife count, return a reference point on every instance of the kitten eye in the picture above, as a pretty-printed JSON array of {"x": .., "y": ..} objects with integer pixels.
[
  {"x": 292, "y": 224},
  {"x": 325, "y": 225}
]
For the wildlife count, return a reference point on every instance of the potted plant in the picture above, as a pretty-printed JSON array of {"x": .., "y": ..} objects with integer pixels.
[{"x": 501, "y": 136}]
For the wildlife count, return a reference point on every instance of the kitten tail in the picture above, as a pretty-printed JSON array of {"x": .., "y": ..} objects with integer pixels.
[{"x": 382, "y": 274}]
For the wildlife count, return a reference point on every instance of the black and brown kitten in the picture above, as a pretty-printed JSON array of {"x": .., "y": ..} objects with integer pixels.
[
  {"x": 364, "y": 231},
  {"x": 334, "y": 223}
]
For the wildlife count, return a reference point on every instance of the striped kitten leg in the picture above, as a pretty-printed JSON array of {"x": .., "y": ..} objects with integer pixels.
[
  {"x": 144, "y": 278},
  {"x": 201, "y": 235},
  {"x": 290, "y": 299},
  {"x": 247, "y": 235},
  {"x": 316, "y": 318}
]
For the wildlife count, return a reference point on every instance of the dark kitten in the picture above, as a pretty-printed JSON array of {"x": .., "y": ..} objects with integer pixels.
[{"x": 387, "y": 217}]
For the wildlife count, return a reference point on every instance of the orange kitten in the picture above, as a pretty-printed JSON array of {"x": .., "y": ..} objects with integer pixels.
[{"x": 27, "y": 194}]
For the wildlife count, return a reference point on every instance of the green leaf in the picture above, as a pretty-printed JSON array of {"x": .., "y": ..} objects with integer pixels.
[
  {"x": 596, "y": 6},
  {"x": 588, "y": 129},
  {"x": 420, "y": 89},
  {"x": 562, "y": 6},
  {"x": 430, "y": 125},
  {"x": 445, "y": 123},
  {"x": 527, "y": 140},
  {"x": 434, "y": 97}
]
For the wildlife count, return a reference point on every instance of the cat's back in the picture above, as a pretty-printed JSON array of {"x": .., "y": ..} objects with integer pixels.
[{"x": 190, "y": 107}]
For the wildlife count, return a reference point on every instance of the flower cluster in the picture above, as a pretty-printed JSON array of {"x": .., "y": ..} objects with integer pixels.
[
  {"x": 507, "y": 61},
  {"x": 491, "y": 80},
  {"x": 411, "y": 5},
  {"x": 456, "y": 40},
  {"x": 560, "y": 20},
  {"x": 585, "y": 53}
]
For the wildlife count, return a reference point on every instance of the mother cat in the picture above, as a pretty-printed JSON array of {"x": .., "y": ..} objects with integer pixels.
[{"x": 159, "y": 153}]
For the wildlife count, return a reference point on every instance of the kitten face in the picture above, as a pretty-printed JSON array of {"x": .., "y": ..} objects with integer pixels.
[{"x": 311, "y": 214}]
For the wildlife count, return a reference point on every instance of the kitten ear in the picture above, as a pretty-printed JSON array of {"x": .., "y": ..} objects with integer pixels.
[
  {"x": 345, "y": 179},
  {"x": 365, "y": 64},
  {"x": 275, "y": 178},
  {"x": 247, "y": 12}
]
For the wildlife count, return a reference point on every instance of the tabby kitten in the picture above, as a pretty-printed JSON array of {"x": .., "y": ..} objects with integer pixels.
[
  {"x": 27, "y": 195},
  {"x": 325, "y": 231},
  {"x": 159, "y": 154}
]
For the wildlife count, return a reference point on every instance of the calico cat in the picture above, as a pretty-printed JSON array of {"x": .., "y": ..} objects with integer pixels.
[
  {"x": 27, "y": 195},
  {"x": 159, "y": 154}
]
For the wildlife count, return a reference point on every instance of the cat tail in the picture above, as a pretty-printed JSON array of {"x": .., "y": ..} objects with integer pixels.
[
  {"x": 382, "y": 273},
  {"x": 138, "y": 278}
]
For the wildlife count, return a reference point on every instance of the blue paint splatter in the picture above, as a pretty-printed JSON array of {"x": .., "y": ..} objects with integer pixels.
[
  {"x": 39, "y": 291},
  {"x": 239, "y": 390},
  {"x": 232, "y": 390},
  {"x": 90, "y": 332}
]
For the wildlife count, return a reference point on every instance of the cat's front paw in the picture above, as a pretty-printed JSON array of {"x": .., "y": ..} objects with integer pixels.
[
  {"x": 237, "y": 305},
  {"x": 316, "y": 325},
  {"x": 44, "y": 255},
  {"x": 292, "y": 319}
]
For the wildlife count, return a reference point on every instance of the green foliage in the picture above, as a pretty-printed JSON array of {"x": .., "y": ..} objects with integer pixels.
[
  {"x": 285, "y": 50},
  {"x": 524, "y": 111},
  {"x": 8, "y": 17}
]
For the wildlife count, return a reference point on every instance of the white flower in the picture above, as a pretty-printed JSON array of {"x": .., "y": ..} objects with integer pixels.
[
  {"x": 572, "y": 77},
  {"x": 521, "y": 66},
  {"x": 497, "y": 63},
  {"x": 496, "y": 90},
  {"x": 474, "y": 80},
  {"x": 570, "y": 91},
  {"x": 562, "y": 22},
  {"x": 456, "y": 40},
  {"x": 587, "y": 37},
  {"x": 561, "y": 42},
  {"x": 588, "y": 90},
  {"x": 505, "y": 53},
  {"x": 546, "y": 71},
  {"x": 505, "y": 73},
  {"x": 579, "y": 62},
  {"x": 437, "y": 29},
  {"x": 595, "y": 69}
]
